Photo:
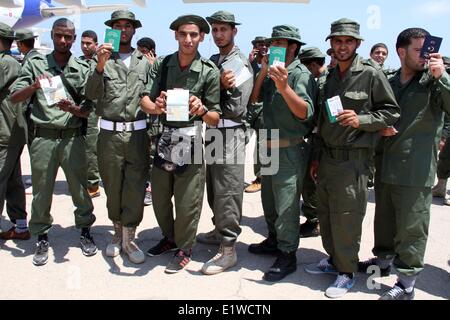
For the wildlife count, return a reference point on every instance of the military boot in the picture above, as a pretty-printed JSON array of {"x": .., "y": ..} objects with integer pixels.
[
  {"x": 130, "y": 247},
  {"x": 113, "y": 248},
  {"x": 224, "y": 259},
  {"x": 440, "y": 189}
]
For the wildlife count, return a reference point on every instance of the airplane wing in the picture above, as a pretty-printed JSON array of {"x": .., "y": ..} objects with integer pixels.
[
  {"x": 218, "y": 1},
  {"x": 82, "y": 3},
  {"x": 11, "y": 3},
  {"x": 65, "y": 11}
]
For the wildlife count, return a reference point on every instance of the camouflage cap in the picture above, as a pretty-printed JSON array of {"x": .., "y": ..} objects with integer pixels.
[
  {"x": 123, "y": 15},
  {"x": 345, "y": 27},
  {"x": 286, "y": 32},
  {"x": 222, "y": 17},
  {"x": 25, "y": 34},
  {"x": 6, "y": 31},
  {"x": 259, "y": 39},
  {"x": 311, "y": 53},
  {"x": 190, "y": 19}
]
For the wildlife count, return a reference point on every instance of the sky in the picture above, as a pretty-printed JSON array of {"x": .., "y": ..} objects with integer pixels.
[{"x": 381, "y": 21}]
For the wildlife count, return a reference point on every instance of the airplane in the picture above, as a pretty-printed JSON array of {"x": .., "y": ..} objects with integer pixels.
[
  {"x": 27, "y": 13},
  {"x": 219, "y": 1}
]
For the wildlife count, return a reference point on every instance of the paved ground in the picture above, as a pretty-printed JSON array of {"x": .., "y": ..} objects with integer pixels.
[{"x": 70, "y": 275}]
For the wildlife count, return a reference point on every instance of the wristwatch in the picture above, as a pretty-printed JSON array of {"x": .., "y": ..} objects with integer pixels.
[
  {"x": 206, "y": 111},
  {"x": 144, "y": 94}
]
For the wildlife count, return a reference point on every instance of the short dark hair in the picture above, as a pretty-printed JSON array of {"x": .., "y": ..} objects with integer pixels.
[
  {"x": 298, "y": 46},
  {"x": 404, "y": 38},
  {"x": 90, "y": 34},
  {"x": 379, "y": 45},
  {"x": 319, "y": 61},
  {"x": 7, "y": 43},
  {"x": 64, "y": 22},
  {"x": 29, "y": 43},
  {"x": 147, "y": 43}
]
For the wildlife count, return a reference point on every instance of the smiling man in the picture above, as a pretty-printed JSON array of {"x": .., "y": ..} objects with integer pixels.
[{"x": 369, "y": 106}]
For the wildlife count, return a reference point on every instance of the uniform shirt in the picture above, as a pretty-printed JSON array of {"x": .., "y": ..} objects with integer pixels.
[
  {"x": 366, "y": 90},
  {"x": 117, "y": 90},
  {"x": 202, "y": 79},
  {"x": 32, "y": 53},
  {"x": 12, "y": 123},
  {"x": 276, "y": 112},
  {"x": 410, "y": 157},
  {"x": 233, "y": 102},
  {"x": 76, "y": 73}
]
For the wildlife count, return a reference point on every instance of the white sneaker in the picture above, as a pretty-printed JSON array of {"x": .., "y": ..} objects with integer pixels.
[
  {"x": 340, "y": 287},
  {"x": 324, "y": 266},
  {"x": 224, "y": 259}
]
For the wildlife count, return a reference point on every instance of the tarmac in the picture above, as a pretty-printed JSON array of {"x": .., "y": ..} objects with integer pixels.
[{"x": 69, "y": 275}]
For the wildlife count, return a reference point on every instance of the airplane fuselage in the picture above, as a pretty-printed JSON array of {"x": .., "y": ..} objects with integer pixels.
[{"x": 26, "y": 15}]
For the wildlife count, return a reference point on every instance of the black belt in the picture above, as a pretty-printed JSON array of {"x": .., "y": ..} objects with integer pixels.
[
  {"x": 58, "y": 133},
  {"x": 347, "y": 154}
]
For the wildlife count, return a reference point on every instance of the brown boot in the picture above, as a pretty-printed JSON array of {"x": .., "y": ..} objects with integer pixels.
[
  {"x": 113, "y": 248},
  {"x": 130, "y": 247},
  {"x": 12, "y": 234},
  {"x": 224, "y": 259},
  {"x": 94, "y": 191},
  {"x": 254, "y": 187}
]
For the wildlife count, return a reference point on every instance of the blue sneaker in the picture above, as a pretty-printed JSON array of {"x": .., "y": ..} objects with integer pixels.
[
  {"x": 340, "y": 287},
  {"x": 324, "y": 266}
]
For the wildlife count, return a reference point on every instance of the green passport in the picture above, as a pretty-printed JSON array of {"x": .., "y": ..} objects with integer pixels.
[
  {"x": 113, "y": 36},
  {"x": 277, "y": 56}
]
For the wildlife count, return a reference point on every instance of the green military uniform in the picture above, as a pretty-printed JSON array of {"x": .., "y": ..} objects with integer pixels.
[
  {"x": 407, "y": 170},
  {"x": 344, "y": 165},
  {"x": 93, "y": 175},
  {"x": 281, "y": 190},
  {"x": 202, "y": 79},
  {"x": 12, "y": 137},
  {"x": 443, "y": 166},
  {"x": 58, "y": 142},
  {"x": 225, "y": 175},
  {"x": 123, "y": 154}
]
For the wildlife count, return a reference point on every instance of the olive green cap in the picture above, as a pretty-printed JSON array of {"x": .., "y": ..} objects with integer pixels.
[
  {"x": 25, "y": 34},
  {"x": 6, "y": 31},
  {"x": 259, "y": 39},
  {"x": 190, "y": 19},
  {"x": 222, "y": 17},
  {"x": 123, "y": 15},
  {"x": 345, "y": 27},
  {"x": 311, "y": 53},
  {"x": 286, "y": 31}
]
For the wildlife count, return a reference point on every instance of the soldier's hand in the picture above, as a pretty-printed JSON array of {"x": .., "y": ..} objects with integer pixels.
[
  {"x": 388, "y": 132},
  {"x": 228, "y": 79},
  {"x": 150, "y": 57},
  {"x": 160, "y": 102},
  {"x": 64, "y": 105},
  {"x": 196, "y": 106},
  {"x": 442, "y": 143},
  {"x": 265, "y": 65},
  {"x": 37, "y": 84},
  {"x": 103, "y": 54},
  {"x": 314, "y": 169},
  {"x": 436, "y": 65},
  {"x": 348, "y": 118},
  {"x": 279, "y": 75},
  {"x": 253, "y": 55}
]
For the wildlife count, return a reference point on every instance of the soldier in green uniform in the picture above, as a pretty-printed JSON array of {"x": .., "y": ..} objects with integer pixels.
[
  {"x": 289, "y": 93},
  {"x": 184, "y": 69},
  {"x": 225, "y": 173},
  {"x": 58, "y": 136},
  {"x": 408, "y": 166},
  {"x": 254, "y": 117},
  {"x": 12, "y": 140},
  {"x": 368, "y": 106},
  {"x": 89, "y": 45},
  {"x": 116, "y": 83},
  {"x": 314, "y": 60}
]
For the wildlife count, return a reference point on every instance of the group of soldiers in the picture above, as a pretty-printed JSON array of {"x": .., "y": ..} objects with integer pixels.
[{"x": 391, "y": 121}]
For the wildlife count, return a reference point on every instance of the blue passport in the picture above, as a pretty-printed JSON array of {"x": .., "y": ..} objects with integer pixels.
[{"x": 431, "y": 45}]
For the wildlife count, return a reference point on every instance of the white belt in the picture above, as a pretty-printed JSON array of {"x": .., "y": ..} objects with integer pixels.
[
  {"x": 226, "y": 123},
  {"x": 188, "y": 131},
  {"x": 123, "y": 126}
]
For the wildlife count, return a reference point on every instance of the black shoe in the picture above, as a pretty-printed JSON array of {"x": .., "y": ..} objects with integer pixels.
[
  {"x": 179, "y": 261},
  {"x": 364, "y": 265},
  {"x": 88, "y": 246},
  {"x": 41, "y": 255},
  {"x": 268, "y": 246},
  {"x": 285, "y": 264},
  {"x": 398, "y": 292},
  {"x": 164, "y": 246},
  {"x": 309, "y": 229}
]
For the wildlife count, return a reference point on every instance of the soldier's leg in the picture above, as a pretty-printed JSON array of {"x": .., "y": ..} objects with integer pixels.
[
  {"x": 412, "y": 208},
  {"x": 309, "y": 192},
  {"x": 111, "y": 163},
  {"x": 268, "y": 204},
  {"x": 384, "y": 223},
  {"x": 209, "y": 176},
  {"x": 44, "y": 168},
  {"x": 93, "y": 175},
  {"x": 135, "y": 176},
  {"x": 443, "y": 168},
  {"x": 162, "y": 201},
  {"x": 188, "y": 189},
  {"x": 15, "y": 192},
  {"x": 73, "y": 162}
]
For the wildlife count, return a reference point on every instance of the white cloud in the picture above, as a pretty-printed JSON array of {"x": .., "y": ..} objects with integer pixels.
[{"x": 434, "y": 8}]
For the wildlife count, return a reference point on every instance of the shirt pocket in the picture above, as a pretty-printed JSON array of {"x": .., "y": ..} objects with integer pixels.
[
  {"x": 112, "y": 84},
  {"x": 355, "y": 100}
]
